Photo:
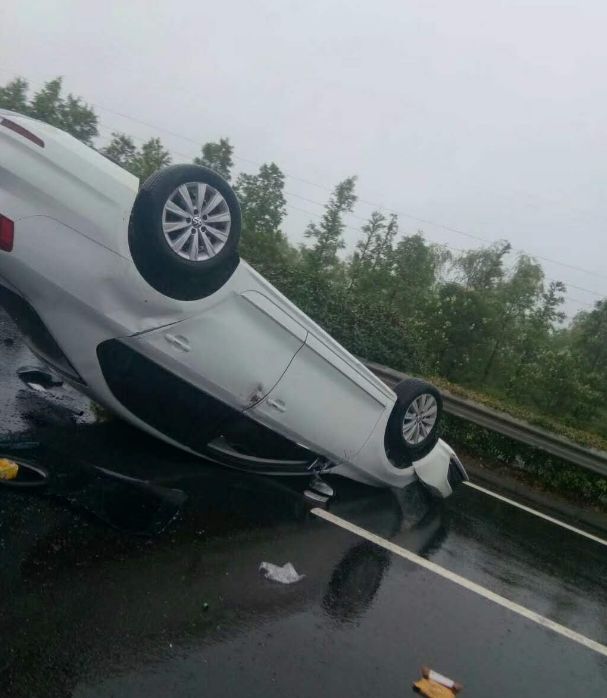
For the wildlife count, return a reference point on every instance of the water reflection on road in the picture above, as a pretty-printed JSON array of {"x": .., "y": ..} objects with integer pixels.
[{"x": 85, "y": 593}]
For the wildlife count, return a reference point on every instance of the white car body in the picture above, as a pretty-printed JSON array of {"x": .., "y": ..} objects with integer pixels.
[{"x": 246, "y": 345}]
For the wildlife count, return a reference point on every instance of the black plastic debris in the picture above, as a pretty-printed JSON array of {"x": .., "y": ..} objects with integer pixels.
[
  {"x": 26, "y": 476},
  {"x": 39, "y": 378},
  {"x": 123, "y": 502},
  {"x": 130, "y": 504}
]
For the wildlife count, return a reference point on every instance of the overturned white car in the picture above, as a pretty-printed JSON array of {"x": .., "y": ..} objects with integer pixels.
[{"x": 137, "y": 296}]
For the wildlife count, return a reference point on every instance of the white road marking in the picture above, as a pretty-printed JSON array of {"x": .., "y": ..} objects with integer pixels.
[
  {"x": 463, "y": 582},
  {"x": 539, "y": 514}
]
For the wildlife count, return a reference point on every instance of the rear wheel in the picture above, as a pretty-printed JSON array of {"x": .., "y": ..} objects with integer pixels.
[
  {"x": 412, "y": 430},
  {"x": 184, "y": 231}
]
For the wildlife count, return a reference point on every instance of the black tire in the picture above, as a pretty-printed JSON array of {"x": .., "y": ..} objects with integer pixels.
[
  {"x": 401, "y": 452},
  {"x": 162, "y": 267}
]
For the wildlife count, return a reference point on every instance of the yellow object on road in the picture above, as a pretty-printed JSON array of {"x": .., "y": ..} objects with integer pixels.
[
  {"x": 435, "y": 685},
  {"x": 432, "y": 689},
  {"x": 8, "y": 469}
]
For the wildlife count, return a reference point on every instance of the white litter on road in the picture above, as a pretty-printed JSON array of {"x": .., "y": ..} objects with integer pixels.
[
  {"x": 285, "y": 574},
  {"x": 539, "y": 514},
  {"x": 463, "y": 582}
]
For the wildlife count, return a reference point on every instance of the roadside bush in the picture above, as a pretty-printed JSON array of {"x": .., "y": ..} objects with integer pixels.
[
  {"x": 584, "y": 438},
  {"x": 528, "y": 463}
]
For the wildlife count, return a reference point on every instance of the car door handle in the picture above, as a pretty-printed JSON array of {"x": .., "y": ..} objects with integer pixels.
[
  {"x": 178, "y": 341},
  {"x": 277, "y": 405}
]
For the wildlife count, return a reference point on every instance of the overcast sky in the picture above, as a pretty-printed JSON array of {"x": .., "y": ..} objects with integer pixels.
[{"x": 482, "y": 116}]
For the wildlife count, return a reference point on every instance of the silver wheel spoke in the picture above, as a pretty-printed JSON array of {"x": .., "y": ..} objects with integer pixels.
[
  {"x": 173, "y": 227},
  {"x": 217, "y": 233},
  {"x": 410, "y": 414},
  {"x": 408, "y": 430},
  {"x": 194, "y": 248},
  {"x": 416, "y": 434},
  {"x": 201, "y": 191},
  {"x": 219, "y": 218},
  {"x": 207, "y": 243},
  {"x": 180, "y": 241},
  {"x": 176, "y": 210},
  {"x": 419, "y": 419},
  {"x": 213, "y": 203},
  {"x": 193, "y": 229},
  {"x": 185, "y": 195}
]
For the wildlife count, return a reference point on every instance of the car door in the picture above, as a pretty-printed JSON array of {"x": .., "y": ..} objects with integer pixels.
[
  {"x": 236, "y": 350},
  {"x": 323, "y": 402}
]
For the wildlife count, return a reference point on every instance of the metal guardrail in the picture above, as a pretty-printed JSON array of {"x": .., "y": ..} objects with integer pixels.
[{"x": 505, "y": 424}]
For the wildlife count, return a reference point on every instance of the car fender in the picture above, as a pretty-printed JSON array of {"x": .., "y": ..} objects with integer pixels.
[{"x": 433, "y": 469}]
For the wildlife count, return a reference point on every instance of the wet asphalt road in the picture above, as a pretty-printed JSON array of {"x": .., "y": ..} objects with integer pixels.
[{"x": 113, "y": 588}]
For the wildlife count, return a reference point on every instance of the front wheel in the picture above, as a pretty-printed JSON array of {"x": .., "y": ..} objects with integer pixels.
[
  {"x": 412, "y": 430},
  {"x": 184, "y": 231}
]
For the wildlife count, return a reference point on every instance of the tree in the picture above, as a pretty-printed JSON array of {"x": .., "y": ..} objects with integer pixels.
[
  {"x": 362, "y": 259},
  {"x": 217, "y": 156},
  {"x": 589, "y": 342},
  {"x": 536, "y": 335},
  {"x": 142, "y": 162},
  {"x": 372, "y": 236},
  {"x": 46, "y": 102},
  {"x": 481, "y": 318},
  {"x": 484, "y": 268},
  {"x": 70, "y": 114},
  {"x": 511, "y": 303},
  {"x": 150, "y": 157},
  {"x": 263, "y": 209},
  {"x": 121, "y": 150},
  {"x": 382, "y": 250},
  {"x": 14, "y": 96},
  {"x": 78, "y": 119},
  {"x": 328, "y": 234}
]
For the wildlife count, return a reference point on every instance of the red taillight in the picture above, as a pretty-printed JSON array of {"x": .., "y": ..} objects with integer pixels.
[
  {"x": 7, "y": 234},
  {"x": 17, "y": 128}
]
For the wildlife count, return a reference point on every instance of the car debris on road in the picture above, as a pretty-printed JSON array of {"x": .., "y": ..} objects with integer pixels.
[
  {"x": 286, "y": 574},
  {"x": 435, "y": 685},
  {"x": 8, "y": 469}
]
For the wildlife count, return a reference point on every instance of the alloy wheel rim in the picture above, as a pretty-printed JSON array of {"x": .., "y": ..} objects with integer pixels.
[
  {"x": 196, "y": 221},
  {"x": 419, "y": 419}
]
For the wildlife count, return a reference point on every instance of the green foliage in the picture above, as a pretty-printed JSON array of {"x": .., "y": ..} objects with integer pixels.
[
  {"x": 143, "y": 161},
  {"x": 70, "y": 114},
  {"x": 150, "y": 157},
  {"x": 121, "y": 150},
  {"x": 14, "y": 96},
  {"x": 328, "y": 233},
  {"x": 217, "y": 156},
  {"x": 533, "y": 465},
  {"x": 552, "y": 424},
  {"x": 484, "y": 322},
  {"x": 263, "y": 205},
  {"x": 368, "y": 248}
]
